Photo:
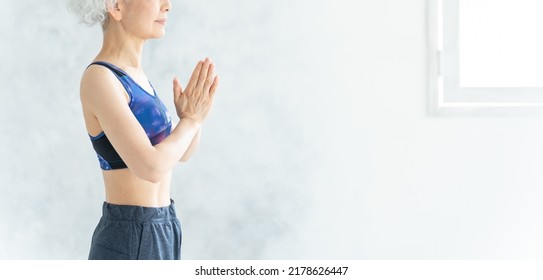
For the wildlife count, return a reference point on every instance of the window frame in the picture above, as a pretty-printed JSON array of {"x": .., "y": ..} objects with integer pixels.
[{"x": 446, "y": 94}]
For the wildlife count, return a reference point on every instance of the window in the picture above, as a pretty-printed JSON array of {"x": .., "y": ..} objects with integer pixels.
[{"x": 486, "y": 56}]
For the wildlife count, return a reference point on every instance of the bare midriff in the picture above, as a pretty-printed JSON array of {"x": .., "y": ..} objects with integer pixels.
[{"x": 124, "y": 188}]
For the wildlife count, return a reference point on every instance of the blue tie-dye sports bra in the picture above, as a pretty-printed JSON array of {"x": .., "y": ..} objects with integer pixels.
[{"x": 149, "y": 111}]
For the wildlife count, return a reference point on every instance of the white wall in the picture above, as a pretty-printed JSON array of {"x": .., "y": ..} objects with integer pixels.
[{"x": 319, "y": 145}]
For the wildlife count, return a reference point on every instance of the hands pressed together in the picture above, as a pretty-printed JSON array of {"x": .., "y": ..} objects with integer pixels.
[{"x": 196, "y": 100}]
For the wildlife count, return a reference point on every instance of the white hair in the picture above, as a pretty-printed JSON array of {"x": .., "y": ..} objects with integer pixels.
[{"x": 91, "y": 12}]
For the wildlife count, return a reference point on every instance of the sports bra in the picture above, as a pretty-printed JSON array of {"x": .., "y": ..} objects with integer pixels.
[{"x": 148, "y": 110}]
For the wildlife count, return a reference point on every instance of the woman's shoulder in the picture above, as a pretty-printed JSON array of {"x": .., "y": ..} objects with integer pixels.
[
  {"x": 98, "y": 82},
  {"x": 96, "y": 73}
]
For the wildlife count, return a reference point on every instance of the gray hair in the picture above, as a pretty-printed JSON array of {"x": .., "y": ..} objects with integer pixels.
[{"x": 91, "y": 12}]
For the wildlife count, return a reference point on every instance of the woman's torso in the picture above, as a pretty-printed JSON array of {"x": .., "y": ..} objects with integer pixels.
[{"x": 121, "y": 186}]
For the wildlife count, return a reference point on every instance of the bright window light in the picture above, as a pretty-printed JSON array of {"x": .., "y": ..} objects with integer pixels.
[{"x": 500, "y": 43}]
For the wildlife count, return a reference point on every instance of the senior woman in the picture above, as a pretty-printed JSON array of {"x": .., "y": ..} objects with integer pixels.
[{"x": 131, "y": 130}]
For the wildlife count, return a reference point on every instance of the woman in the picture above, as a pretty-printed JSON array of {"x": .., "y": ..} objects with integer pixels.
[{"x": 131, "y": 131}]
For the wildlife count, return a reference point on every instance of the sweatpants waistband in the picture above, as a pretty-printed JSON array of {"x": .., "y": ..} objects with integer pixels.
[{"x": 138, "y": 213}]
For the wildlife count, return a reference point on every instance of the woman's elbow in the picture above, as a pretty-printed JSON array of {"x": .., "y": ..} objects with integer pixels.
[
  {"x": 151, "y": 177},
  {"x": 150, "y": 173}
]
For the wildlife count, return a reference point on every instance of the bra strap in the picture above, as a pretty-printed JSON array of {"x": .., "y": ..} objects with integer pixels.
[{"x": 118, "y": 72}]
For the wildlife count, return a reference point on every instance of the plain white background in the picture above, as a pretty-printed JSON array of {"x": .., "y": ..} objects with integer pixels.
[{"x": 319, "y": 145}]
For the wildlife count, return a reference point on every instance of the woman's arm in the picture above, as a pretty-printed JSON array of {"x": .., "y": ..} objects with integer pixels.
[
  {"x": 193, "y": 145},
  {"x": 104, "y": 96}
]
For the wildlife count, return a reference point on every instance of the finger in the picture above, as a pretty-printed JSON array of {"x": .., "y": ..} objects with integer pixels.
[
  {"x": 214, "y": 87},
  {"x": 209, "y": 78},
  {"x": 177, "y": 89},
  {"x": 203, "y": 73},
  {"x": 194, "y": 78}
]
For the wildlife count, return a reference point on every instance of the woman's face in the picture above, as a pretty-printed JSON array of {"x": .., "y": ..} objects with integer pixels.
[{"x": 145, "y": 18}]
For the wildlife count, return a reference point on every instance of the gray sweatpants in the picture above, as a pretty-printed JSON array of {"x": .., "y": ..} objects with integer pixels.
[{"x": 137, "y": 233}]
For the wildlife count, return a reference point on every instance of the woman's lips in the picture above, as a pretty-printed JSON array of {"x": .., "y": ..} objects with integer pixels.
[{"x": 161, "y": 21}]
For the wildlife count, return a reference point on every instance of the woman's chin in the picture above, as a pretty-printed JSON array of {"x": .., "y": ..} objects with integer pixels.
[{"x": 157, "y": 35}]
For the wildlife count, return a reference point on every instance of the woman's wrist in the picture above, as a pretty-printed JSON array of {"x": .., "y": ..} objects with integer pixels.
[{"x": 191, "y": 121}]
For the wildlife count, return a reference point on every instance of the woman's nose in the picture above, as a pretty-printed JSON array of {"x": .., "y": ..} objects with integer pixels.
[{"x": 168, "y": 5}]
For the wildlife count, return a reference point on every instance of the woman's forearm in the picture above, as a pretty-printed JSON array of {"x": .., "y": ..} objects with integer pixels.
[
  {"x": 170, "y": 150},
  {"x": 192, "y": 147}
]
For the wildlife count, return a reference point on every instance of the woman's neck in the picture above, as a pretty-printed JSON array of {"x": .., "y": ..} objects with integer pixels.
[{"x": 121, "y": 49}]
